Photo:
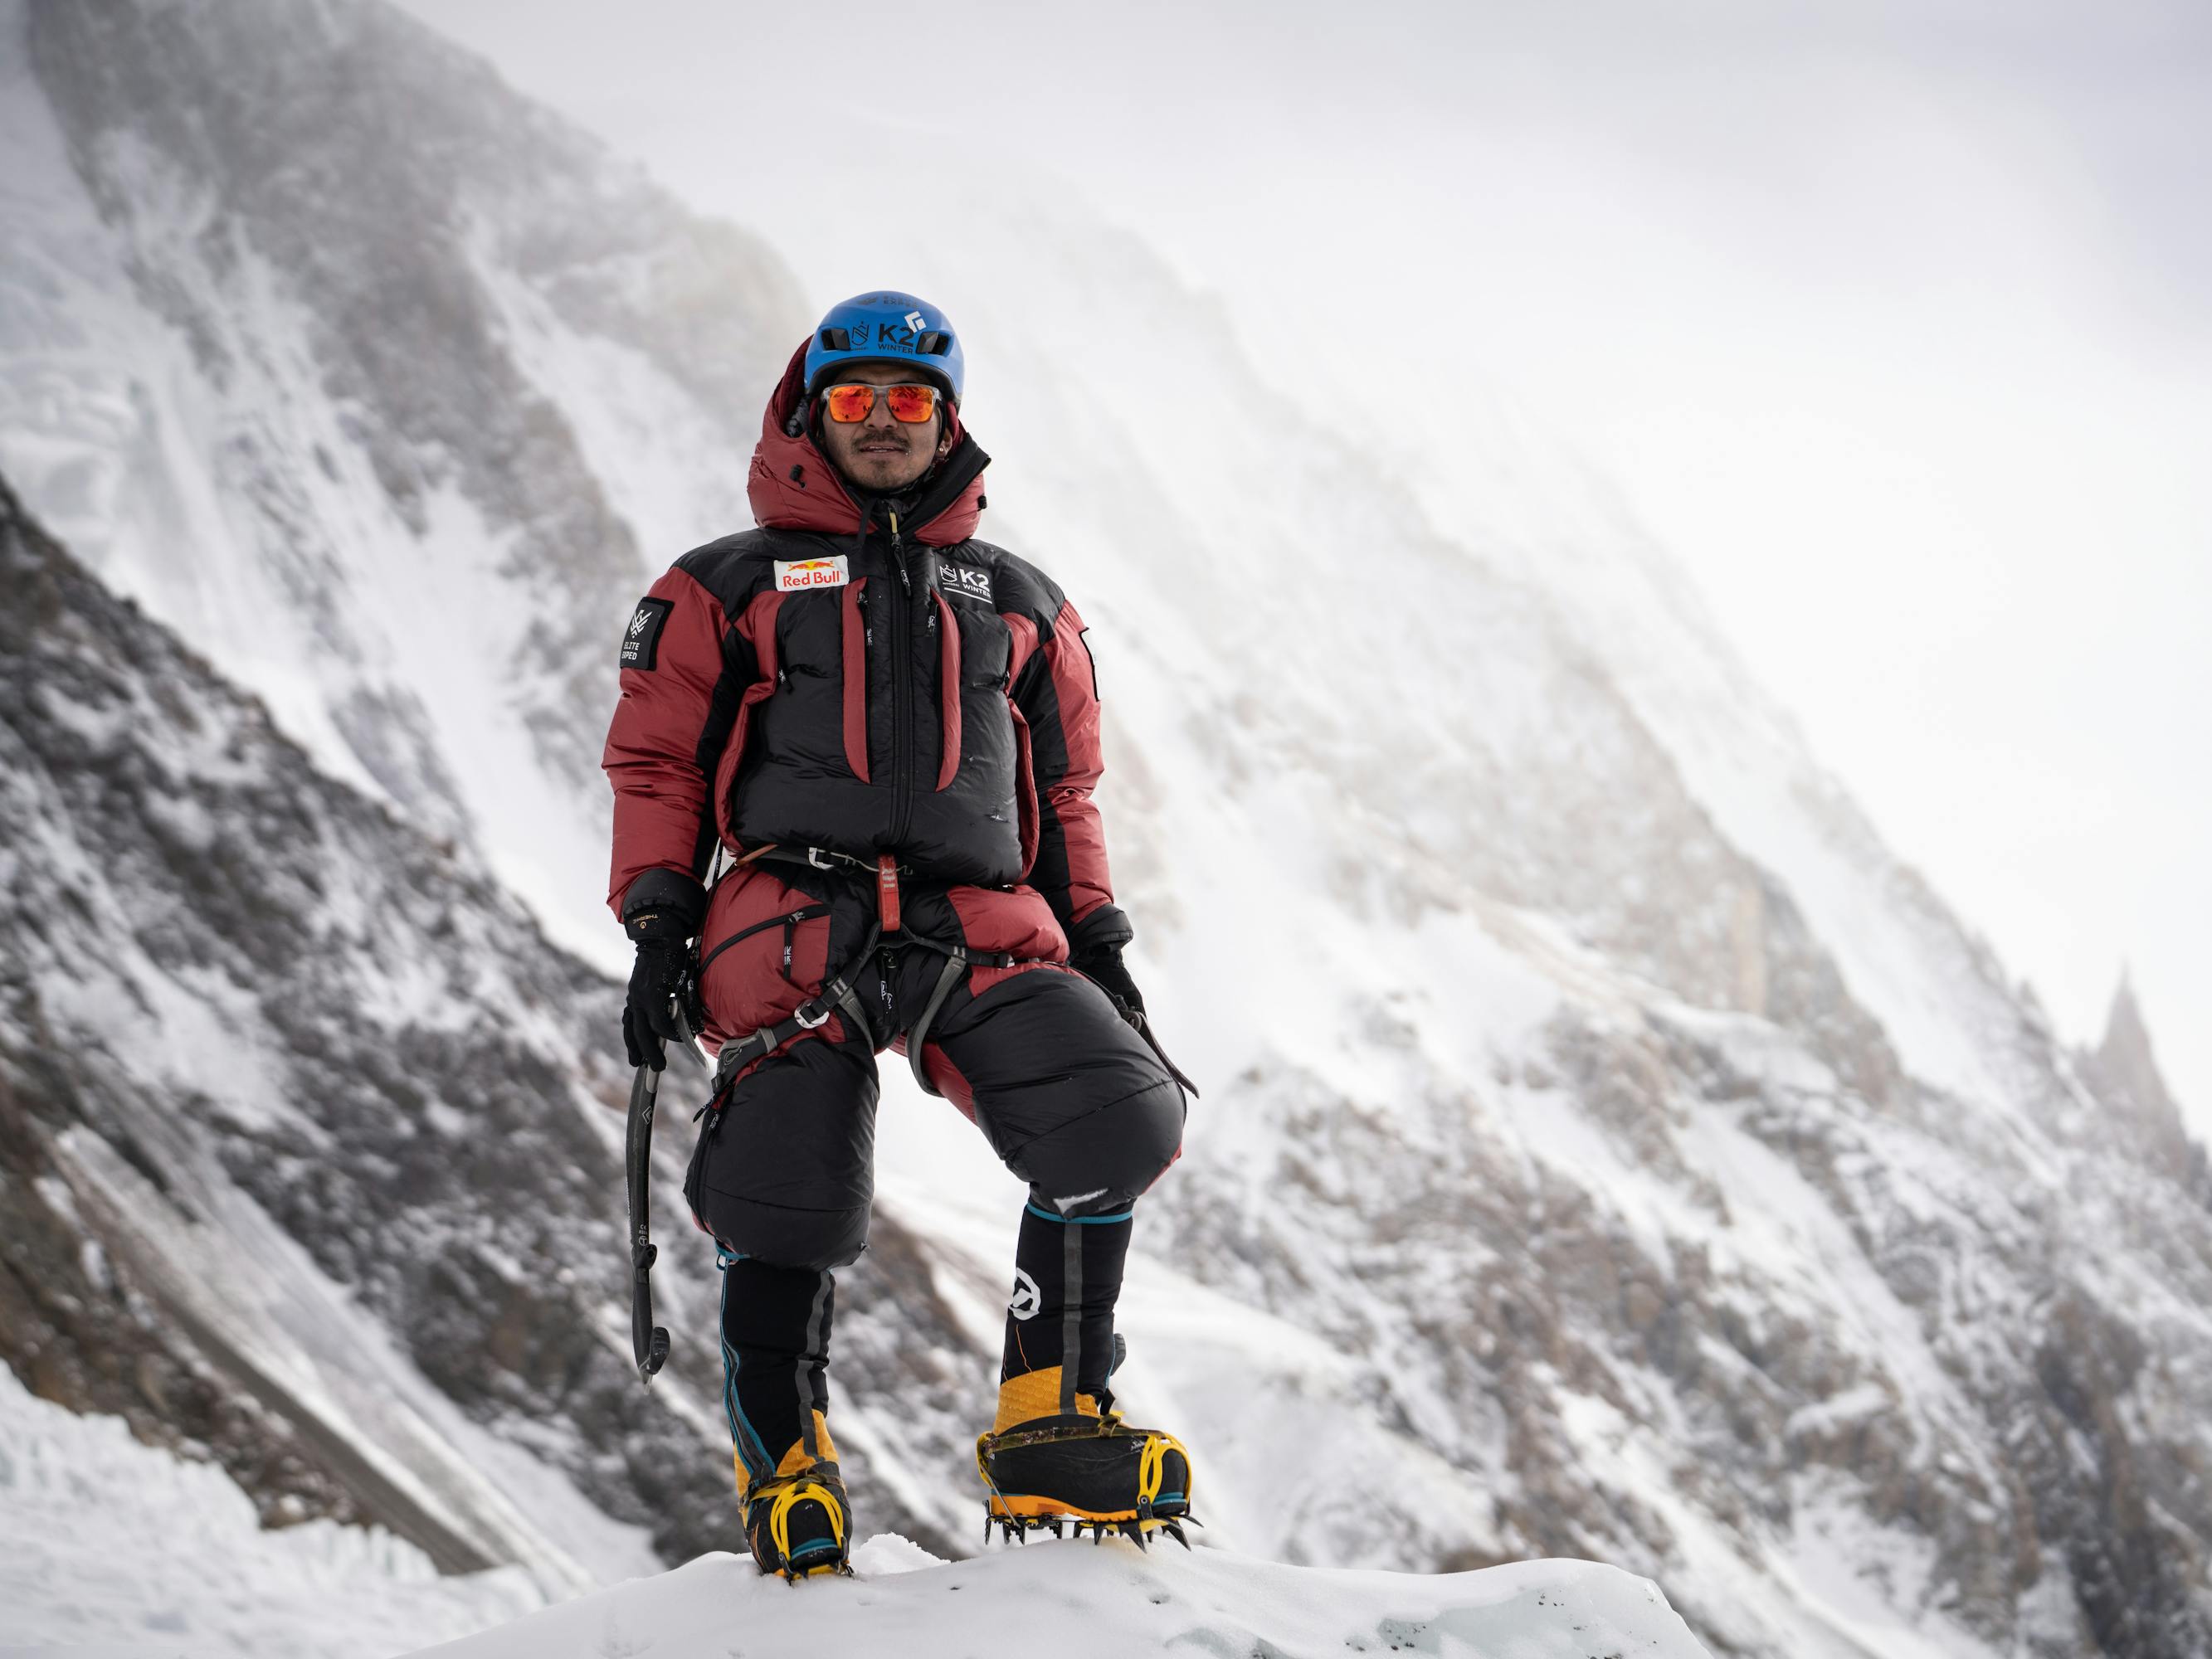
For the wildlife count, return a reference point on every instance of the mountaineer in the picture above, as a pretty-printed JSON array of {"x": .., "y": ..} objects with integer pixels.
[{"x": 852, "y": 766}]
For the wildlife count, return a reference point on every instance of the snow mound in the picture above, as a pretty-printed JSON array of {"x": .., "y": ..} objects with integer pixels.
[
  {"x": 109, "y": 1548},
  {"x": 1078, "y": 1599}
]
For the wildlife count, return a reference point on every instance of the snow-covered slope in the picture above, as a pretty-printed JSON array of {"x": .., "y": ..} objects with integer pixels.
[
  {"x": 1608, "y": 1149},
  {"x": 108, "y": 1547},
  {"x": 427, "y": 377}
]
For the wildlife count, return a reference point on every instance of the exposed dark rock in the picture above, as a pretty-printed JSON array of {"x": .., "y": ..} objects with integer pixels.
[
  {"x": 2123, "y": 1073},
  {"x": 417, "y": 1070}
]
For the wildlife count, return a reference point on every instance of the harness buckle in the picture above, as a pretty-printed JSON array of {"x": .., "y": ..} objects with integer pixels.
[
  {"x": 815, "y": 858},
  {"x": 821, "y": 1014}
]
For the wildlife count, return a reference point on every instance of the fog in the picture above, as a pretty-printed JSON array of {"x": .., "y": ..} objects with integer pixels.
[{"x": 1893, "y": 322}]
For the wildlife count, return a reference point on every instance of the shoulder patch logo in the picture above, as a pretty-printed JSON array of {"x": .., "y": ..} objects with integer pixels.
[
  {"x": 966, "y": 580},
  {"x": 797, "y": 576},
  {"x": 641, "y": 642}
]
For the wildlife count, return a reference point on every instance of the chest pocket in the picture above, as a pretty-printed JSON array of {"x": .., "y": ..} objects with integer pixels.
[
  {"x": 972, "y": 680},
  {"x": 817, "y": 718},
  {"x": 987, "y": 645}
]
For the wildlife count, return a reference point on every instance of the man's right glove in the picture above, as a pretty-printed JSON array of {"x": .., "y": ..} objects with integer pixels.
[{"x": 660, "y": 916}]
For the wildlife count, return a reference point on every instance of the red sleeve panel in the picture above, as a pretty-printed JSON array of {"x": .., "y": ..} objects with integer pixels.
[
  {"x": 683, "y": 667},
  {"x": 1059, "y": 698}
]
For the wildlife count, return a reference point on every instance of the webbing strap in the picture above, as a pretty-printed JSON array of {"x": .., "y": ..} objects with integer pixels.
[
  {"x": 1071, "y": 1317},
  {"x": 955, "y": 964},
  {"x": 838, "y": 993},
  {"x": 807, "y": 1402},
  {"x": 810, "y": 1015},
  {"x": 887, "y": 893},
  {"x": 823, "y": 857}
]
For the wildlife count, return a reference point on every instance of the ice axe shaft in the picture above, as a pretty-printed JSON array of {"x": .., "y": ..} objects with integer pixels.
[{"x": 648, "y": 1341}]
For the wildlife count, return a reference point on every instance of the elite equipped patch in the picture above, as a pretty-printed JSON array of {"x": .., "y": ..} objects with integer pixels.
[{"x": 642, "y": 640}]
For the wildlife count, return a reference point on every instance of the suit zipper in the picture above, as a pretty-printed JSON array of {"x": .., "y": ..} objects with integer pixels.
[{"x": 901, "y": 694}]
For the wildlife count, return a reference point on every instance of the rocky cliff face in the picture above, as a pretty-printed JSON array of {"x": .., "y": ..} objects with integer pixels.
[
  {"x": 1608, "y": 1148},
  {"x": 307, "y": 1161},
  {"x": 308, "y": 284},
  {"x": 2123, "y": 1073}
]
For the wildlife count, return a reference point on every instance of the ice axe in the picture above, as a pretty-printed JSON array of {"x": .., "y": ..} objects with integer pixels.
[{"x": 648, "y": 1341}]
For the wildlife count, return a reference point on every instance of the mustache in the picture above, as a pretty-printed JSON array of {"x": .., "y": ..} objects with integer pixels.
[{"x": 883, "y": 437}]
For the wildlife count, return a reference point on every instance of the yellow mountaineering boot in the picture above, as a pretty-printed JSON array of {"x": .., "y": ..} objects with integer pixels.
[
  {"x": 797, "y": 1520},
  {"x": 1051, "y": 1467}
]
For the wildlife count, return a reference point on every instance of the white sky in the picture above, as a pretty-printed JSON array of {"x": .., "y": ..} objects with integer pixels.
[{"x": 1895, "y": 320}]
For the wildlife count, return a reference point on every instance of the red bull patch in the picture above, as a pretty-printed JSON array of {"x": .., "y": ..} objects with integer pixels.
[{"x": 797, "y": 576}]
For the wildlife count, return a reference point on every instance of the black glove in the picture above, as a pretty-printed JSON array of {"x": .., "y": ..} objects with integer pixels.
[
  {"x": 1104, "y": 969},
  {"x": 1094, "y": 951},
  {"x": 660, "y": 914}
]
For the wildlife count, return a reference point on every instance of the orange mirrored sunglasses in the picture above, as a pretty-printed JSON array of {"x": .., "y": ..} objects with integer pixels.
[{"x": 852, "y": 401}]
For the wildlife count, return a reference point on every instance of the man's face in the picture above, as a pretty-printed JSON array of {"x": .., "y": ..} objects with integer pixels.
[{"x": 883, "y": 453}]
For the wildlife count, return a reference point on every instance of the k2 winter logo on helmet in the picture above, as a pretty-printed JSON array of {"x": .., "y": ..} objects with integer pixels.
[
  {"x": 885, "y": 325},
  {"x": 802, "y": 575}
]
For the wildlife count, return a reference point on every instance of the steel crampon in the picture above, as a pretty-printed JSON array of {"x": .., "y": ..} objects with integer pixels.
[{"x": 1014, "y": 1515}]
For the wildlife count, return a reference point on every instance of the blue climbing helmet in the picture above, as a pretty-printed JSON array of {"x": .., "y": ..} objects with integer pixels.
[{"x": 885, "y": 327}]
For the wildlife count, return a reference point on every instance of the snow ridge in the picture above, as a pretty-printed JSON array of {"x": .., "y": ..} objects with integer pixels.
[{"x": 1092, "y": 1602}]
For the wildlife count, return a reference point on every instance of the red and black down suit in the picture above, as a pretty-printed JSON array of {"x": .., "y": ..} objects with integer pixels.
[{"x": 858, "y": 679}]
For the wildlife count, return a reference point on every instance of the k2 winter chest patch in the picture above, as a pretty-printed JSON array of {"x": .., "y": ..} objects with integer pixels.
[{"x": 967, "y": 582}]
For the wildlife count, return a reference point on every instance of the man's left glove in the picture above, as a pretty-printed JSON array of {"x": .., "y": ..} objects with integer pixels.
[
  {"x": 1094, "y": 949},
  {"x": 661, "y": 914}
]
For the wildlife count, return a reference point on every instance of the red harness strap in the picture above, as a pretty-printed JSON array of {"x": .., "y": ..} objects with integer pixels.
[{"x": 887, "y": 892}]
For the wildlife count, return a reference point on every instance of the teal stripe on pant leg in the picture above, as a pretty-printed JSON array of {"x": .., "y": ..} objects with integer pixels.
[{"x": 741, "y": 1430}]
